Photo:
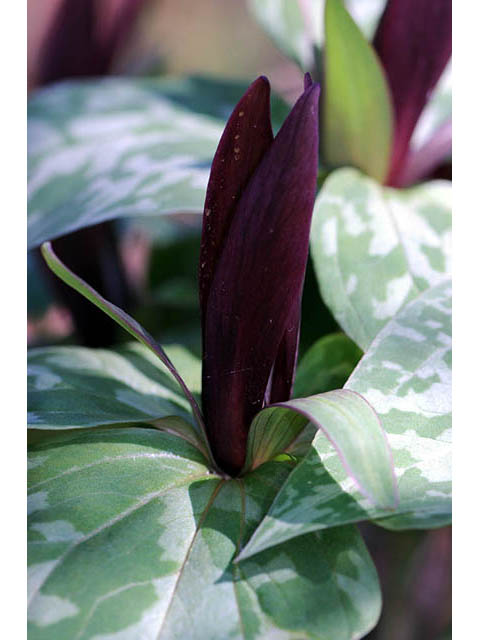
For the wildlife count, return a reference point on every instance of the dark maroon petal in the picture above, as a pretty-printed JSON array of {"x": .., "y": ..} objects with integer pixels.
[
  {"x": 421, "y": 163},
  {"x": 258, "y": 281},
  {"x": 283, "y": 373},
  {"x": 247, "y": 136},
  {"x": 414, "y": 43}
]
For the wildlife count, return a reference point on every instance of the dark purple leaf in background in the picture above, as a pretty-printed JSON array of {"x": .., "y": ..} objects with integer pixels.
[
  {"x": 257, "y": 282},
  {"x": 84, "y": 37},
  {"x": 414, "y": 43}
]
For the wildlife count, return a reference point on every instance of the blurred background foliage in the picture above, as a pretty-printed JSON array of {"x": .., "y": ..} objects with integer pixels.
[{"x": 220, "y": 38}]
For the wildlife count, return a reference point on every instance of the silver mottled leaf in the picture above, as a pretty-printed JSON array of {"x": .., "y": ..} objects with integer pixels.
[
  {"x": 123, "y": 148},
  {"x": 375, "y": 248},
  {"x": 131, "y": 536},
  {"x": 77, "y": 387},
  {"x": 406, "y": 376},
  {"x": 113, "y": 148}
]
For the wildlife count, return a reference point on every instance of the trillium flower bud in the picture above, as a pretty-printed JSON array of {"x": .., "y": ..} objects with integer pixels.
[{"x": 256, "y": 227}]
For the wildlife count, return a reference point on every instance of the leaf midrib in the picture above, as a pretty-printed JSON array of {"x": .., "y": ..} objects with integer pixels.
[{"x": 201, "y": 520}]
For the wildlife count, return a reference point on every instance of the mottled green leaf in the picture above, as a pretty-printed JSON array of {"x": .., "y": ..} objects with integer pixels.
[
  {"x": 406, "y": 376},
  {"x": 357, "y": 110},
  {"x": 131, "y": 536},
  {"x": 326, "y": 365},
  {"x": 118, "y": 147},
  {"x": 113, "y": 148},
  {"x": 77, "y": 388},
  {"x": 214, "y": 96},
  {"x": 130, "y": 325},
  {"x": 375, "y": 248},
  {"x": 296, "y": 26},
  {"x": 343, "y": 418}
]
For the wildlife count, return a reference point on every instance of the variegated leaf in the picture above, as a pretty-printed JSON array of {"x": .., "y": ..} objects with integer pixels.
[
  {"x": 132, "y": 537},
  {"x": 375, "y": 248},
  {"x": 77, "y": 387},
  {"x": 347, "y": 422},
  {"x": 116, "y": 148},
  {"x": 406, "y": 376},
  {"x": 112, "y": 148},
  {"x": 296, "y": 26}
]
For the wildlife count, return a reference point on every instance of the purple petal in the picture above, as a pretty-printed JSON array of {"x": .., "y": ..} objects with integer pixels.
[
  {"x": 422, "y": 162},
  {"x": 307, "y": 81},
  {"x": 246, "y": 138},
  {"x": 258, "y": 281},
  {"x": 283, "y": 372},
  {"x": 414, "y": 43}
]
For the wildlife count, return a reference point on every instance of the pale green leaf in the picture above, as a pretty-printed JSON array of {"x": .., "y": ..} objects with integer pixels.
[
  {"x": 326, "y": 365},
  {"x": 343, "y": 418},
  {"x": 131, "y": 536},
  {"x": 376, "y": 248},
  {"x": 77, "y": 387},
  {"x": 357, "y": 110},
  {"x": 296, "y": 26},
  {"x": 406, "y": 376}
]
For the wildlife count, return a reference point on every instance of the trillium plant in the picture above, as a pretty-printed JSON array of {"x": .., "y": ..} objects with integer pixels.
[{"x": 176, "y": 498}]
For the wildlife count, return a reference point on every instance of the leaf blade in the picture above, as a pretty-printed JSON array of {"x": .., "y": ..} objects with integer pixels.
[
  {"x": 375, "y": 249},
  {"x": 104, "y": 562},
  {"x": 123, "y": 148},
  {"x": 126, "y": 322},
  {"x": 318, "y": 494},
  {"x": 326, "y": 365},
  {"x": 348, "y": 421},
  {"x": 357, "y": 110}
]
